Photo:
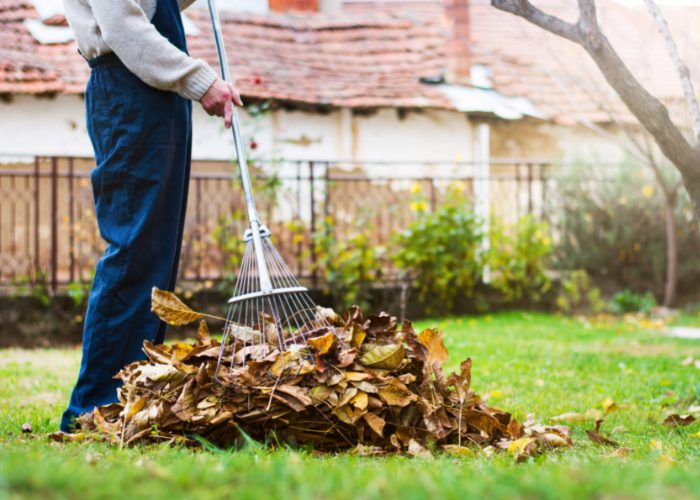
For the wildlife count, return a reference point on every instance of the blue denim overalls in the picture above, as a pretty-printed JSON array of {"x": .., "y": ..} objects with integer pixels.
[{"x": 142, "y": 140}]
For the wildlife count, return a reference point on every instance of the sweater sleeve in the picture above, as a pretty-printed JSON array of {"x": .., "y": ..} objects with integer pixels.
[{"x": 149, "y": 55}]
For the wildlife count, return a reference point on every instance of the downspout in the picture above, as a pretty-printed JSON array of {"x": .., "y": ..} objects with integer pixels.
[{"x": 482, "y": 187}]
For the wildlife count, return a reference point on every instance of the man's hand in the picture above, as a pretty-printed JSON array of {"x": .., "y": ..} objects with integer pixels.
[{"x": 217, "y": 101}]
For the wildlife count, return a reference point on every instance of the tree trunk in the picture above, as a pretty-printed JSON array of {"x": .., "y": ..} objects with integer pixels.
[{"x": 671, "y": 250}]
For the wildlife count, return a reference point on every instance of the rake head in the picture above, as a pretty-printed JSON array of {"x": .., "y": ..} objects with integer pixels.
[{"x": 269, "y": 310}]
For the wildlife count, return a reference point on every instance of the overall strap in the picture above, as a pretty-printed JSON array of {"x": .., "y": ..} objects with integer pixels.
[{"x": 168, "y": 21}]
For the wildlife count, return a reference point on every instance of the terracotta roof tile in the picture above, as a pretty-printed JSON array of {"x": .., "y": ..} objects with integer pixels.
[
  {"x": 374, "y": 55},
  {"x": 354, "y": 61}
]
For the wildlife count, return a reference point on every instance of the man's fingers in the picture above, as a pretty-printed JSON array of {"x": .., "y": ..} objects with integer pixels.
[
  {"x": 235, "y": 96},
  {"x": 228, "y": 114}
]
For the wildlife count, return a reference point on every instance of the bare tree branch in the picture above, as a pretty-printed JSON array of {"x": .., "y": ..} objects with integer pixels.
[
  {"x": 525, "y": 9},
  {"x": 650, "y": 112},
  {"x": 681, "y": 67}
]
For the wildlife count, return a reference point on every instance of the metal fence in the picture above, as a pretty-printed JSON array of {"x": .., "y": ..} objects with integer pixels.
[{"x": 48, "y": 232}]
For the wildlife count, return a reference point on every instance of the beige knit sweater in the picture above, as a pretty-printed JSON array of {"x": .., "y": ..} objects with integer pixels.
[{"x": 124, "y": 27}]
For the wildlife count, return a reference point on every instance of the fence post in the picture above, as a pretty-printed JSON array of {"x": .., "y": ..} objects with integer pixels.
[
  {"x": 529, "y": 188},
  {"x": 36, "y": 219},
  {"x": 312, "y": 203},
  {"x": 299, "y": 226},
  {"x": 200, "y": 226},
  {"x": 54, "y": 224},
  {"x": 71, "y": 218},
  {"x": 327, "y": 191},
  {"x": 543, "y": 194}
]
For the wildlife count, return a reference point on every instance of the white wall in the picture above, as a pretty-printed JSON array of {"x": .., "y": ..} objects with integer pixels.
[
  {"x": 56, "y": 126},
  {"x": 44, "y": 126}
]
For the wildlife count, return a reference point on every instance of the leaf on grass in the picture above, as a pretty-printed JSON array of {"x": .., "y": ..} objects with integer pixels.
[
  {"x": 415, "y": 449},
  {"x": 687, "y": 361},
  {"x": 67, "y": 437},
  {"x": 676, "y": 420},
  {"x": 595, "y": 436},
  {"x": 386, "y": 357},
  {"x": 523, "y": 448},
  {"x": 457, "y": 450},
  {"x": 554, "y": 440},
  {"x": 620, "y": 453},
  {"x": 609, "y": 405}
]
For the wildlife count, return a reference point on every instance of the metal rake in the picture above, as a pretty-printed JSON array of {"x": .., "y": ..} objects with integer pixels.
[{"x": 269, "y": 308}]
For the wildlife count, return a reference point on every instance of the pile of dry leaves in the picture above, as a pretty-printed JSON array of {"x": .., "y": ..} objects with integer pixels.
[{"x": 370, "y": 384}]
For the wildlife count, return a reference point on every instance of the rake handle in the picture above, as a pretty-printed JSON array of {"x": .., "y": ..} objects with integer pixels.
[{"x": 253, "y": 220}]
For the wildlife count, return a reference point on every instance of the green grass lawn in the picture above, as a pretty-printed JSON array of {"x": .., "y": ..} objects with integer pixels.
[{"x": 524, "y": 363}]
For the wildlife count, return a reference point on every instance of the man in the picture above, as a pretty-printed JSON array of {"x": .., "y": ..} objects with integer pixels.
[{"x": 139, "y": 121}]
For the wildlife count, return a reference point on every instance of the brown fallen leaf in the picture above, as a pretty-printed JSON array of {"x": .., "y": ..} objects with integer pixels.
[
  {"x": 415, "y": 449},
  {"x": 432, "y": 340},
  {"x": 676, "y": 420},
  {"x": 322, "y": 344},
  {"x": 523, "y": 448},
  {"x": 598, "y": 438},
  {"x": 387, "y": 356},
  {"x": 620, "y": 453},
  {"x": 173, "y": 311},
  {"x": 67, "y": 437}
]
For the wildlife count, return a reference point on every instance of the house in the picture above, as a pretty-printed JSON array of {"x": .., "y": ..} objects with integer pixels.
[{"x": 385, "y": 88}]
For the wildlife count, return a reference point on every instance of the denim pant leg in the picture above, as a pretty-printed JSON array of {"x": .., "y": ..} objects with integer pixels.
[{"x": 142, "y": 144}]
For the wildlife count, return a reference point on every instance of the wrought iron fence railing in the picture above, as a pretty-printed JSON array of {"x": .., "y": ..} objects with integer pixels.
[{"x": 48, "y": 232}]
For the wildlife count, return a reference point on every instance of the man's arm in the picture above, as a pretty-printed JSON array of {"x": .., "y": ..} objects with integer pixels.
[{"x": 149, "y": 55}]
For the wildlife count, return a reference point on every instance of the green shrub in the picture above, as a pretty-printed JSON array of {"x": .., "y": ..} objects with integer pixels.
[
  {"x": 609, "y": 222},
  {"x": 629, "y": 302},
  {"x": 440, "y": 252},
  {"x": 517, "y": 258},
  {"x": 578, "y": 296},
  {"x": 349, "y": 265}
]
